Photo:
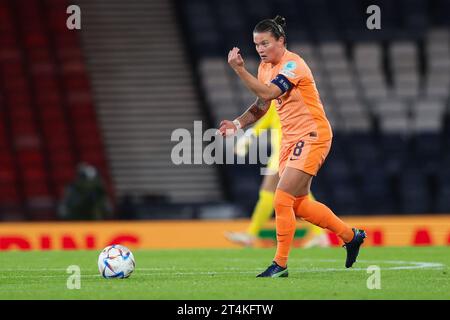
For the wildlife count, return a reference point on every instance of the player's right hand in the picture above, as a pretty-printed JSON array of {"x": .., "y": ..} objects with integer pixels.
[
  {"x": 227, "y": 128},
  {"x": 235, "y": 59}
]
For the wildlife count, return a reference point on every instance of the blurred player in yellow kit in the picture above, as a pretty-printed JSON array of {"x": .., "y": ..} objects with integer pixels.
[{"x": 264, "y": 207}]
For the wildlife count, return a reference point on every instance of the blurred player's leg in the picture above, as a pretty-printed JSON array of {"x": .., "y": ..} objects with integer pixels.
[
  {"x": 319, "y": 239},
  {"x": 264, "y": 208},
  {"x": 261, "y": 214}
]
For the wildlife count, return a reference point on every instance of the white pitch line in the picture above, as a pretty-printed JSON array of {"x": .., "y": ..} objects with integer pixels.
[
  {"x": 410, "y": 265},
  {"x": 415, "y": 264}
]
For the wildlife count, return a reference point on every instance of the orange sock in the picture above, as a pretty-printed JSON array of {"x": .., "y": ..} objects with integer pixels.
[
  {"x": 285, "y": 225},
  {"x": 320, "y": 215}
]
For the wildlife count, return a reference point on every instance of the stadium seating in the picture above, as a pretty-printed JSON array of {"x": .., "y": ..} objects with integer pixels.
[
  {"x": 48, "y": 122},
  {"x": 386, "y": 93}
]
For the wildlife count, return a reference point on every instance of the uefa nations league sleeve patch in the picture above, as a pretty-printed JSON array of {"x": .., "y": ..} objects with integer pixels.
[{"x": 288, "y": 69}]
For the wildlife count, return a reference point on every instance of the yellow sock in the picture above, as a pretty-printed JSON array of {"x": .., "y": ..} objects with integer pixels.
[
  {"x": 263, "y": 211},
  {"x": 316, "y": 230}
]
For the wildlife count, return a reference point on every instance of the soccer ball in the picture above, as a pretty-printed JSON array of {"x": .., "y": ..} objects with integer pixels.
[{"x": 116, "y": 261}]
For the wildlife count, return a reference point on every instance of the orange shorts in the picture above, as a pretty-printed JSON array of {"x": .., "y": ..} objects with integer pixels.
[{"x": 307, "y": 155}]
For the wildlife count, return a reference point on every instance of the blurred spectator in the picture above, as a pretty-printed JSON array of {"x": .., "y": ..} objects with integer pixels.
[{"x": 86, "y": 197}]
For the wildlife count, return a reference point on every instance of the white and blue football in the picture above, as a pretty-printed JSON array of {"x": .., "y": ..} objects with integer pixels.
[{"x": 116, "y": 261}]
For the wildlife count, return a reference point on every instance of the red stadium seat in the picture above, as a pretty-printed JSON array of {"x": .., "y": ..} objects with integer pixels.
[
  {"x": 31, "y": 140},
  {"x": 8, "y": 39},
  {"x": 22, "y": 127},
  {"x": 76, "y": 82},
  {"x": 62, "y": 158},
  {"x": 30, "y": 158},
  {"x": 22, "y": 113},
  {"x": 12, "y": 68},
  {"x": 3, "y": 139},
  {"x": 58, "y": 142},
  {"x": 9, "y": 195},
  {"x": 56, "y": 127},
  {"x": 6, "y": 20},
  {"x": 39, "y": 55},
  {"x": 52, "y": 113},
  {"x": 48, "y": 87},
  {"x": 37, "y": 189},
  {"x": 10, "y": 53},
  {"x": 16, "y": 84},
  {"x": 36, "y": 40},
  {"x": 49, "y": 116},
  {"x": 9, "y": 192},
  {"x": 57, "y": 21},
  {"x": 19, "y": 98},
  {"x": 43, "y": 71},
  {"x": 69, "y": 54},
  {"x": 73, "y": 66},
  {"x": 89, "y": 140},
  {"x": 63, "y": 175},
  {"x": 6, "y": 158},
  {"x": 46, "y": 97},
  {"x": 83, "y": 111},
  {"x": 7, "y": 175}
]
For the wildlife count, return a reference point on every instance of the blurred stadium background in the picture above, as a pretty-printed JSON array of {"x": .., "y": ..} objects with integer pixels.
[{"x": 109, "y": 96}]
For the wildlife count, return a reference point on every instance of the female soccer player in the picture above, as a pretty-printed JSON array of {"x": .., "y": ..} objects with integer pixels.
[
  {"x": 305, "y": 143},
  {"x": 264, "y": 206}
]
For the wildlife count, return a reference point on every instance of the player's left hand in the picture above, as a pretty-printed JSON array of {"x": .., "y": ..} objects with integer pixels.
[{"x": 235, "y": 59}]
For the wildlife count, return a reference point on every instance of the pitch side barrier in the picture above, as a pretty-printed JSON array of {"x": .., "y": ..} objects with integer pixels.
[{"x": 424, "y": 230}]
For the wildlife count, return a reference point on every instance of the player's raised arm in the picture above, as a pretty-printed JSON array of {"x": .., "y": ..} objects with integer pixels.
[
  {"x": 264, "y": 92},
  {"x": 250, "y": 116}
]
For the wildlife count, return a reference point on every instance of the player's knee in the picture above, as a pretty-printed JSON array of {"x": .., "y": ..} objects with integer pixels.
[
  {"x": 277, "y": 202},
  {"x": 295, "y": 181},
  {"x": 283, "y": 199}
]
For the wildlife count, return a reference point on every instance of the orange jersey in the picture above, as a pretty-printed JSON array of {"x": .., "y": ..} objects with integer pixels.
[{"x": 300, "y": 109}]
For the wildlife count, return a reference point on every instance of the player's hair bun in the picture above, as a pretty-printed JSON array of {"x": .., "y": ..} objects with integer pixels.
[{"x": 281, "y": 21}]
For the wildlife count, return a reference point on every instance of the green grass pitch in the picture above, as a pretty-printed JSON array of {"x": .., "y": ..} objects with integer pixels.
[{"x": 405, "y": 273}]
